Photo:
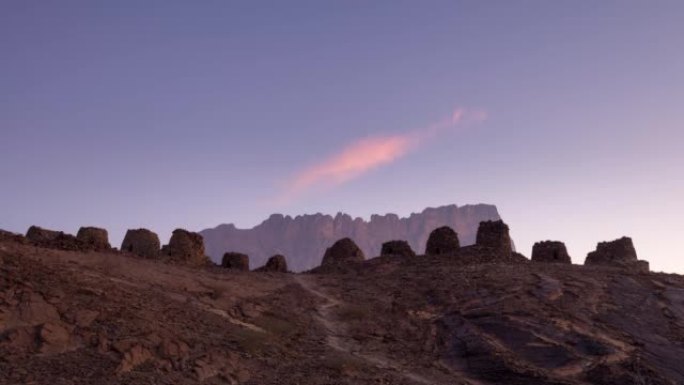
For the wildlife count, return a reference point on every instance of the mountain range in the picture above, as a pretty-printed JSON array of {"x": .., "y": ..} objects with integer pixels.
[{"x": 304, "y": 238}]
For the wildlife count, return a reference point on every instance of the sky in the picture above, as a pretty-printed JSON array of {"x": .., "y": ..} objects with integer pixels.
[{"x": 566, "y": 115}]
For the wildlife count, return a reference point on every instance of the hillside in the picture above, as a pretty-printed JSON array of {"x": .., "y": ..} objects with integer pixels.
[
  {"x": 69, "y": 317},
  {"x": 304, "y": 238}
]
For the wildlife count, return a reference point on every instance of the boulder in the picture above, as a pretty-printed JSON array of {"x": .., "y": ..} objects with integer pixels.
[
  {"x": 236, "y": 261},
  {"x": 618, "y": 253},
  {"x": 442, "y": 240},
  {"x": 397, "y": 248},
  {"x": 94, "y": 238},
  {"x": 550, "y": 251},
  {"x": 186, "y": 247},
  {"x": 141, "y": 242},
  {"x": 342, "y": 251},
  {"x": 494, "y": 235},
  {"x": 276, "y": 263}
]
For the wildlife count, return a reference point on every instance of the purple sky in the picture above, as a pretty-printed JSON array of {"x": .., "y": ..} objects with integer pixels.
[{"x": 166, "y": 114}]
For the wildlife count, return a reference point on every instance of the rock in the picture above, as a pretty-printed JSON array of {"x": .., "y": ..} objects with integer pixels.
[
  {"x": 135, "y": 356},
  {"x": 174, "y": 349},
  {"x": 494, "y": 235},
  {"x": 397, "y": 248},
  {"x": 235, "y": 261},
  {"x": 550, "y": 251},
  {"x": 343, "y": 251},
  {"x": 84, "y": 317},
  {"x": 53, "y": 338},
  {"x": 187, "y": 247},
  {"x": 442, "y": 240},
  {"x": 94, "y": 238},
  {"x": 618, "y": 253},
  {"x": 276, "y": 263},
  {"x": 34, "y": 309},
  {"x": 141, "y": 242}
]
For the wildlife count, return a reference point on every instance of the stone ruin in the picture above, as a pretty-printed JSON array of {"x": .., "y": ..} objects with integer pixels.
[
  {"x": 397, "y": 248},
  {"x": 235, "y": 261},
  {"x": 94, "y": 238},
  {"x": 186, "y": 247},
  {"x": 442, "y": 240},
  {"x": 550, "y": 252},
  {"x": 494, "y": 235},
  {"x": 617, "y": 253},
  {"x": 276, "y": 263},
  {"x": 12, "y": 237},
  {"x": 52, "y": 239},
  {"x": 141, "y": 242},
  {"x": 342, "y": 251}
]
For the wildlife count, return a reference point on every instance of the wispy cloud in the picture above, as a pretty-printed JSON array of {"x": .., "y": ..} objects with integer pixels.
[{"x": 369, "y": 153}]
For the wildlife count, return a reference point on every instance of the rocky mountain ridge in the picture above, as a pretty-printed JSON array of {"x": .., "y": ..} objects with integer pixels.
[{"x": 304, "y": 238}]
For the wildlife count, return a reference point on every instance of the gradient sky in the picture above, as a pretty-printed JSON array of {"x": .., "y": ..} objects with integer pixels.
[{"x": 567, "y": 115}]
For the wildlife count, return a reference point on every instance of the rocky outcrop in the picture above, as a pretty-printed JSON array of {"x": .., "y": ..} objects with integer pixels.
[
  {"x": 235, "y": 261},
  {"x": 617, "y": 253},
  {"x": 341, "y": 252},
  {"x": 494, "y": 235},
  {"x": 186, "y": 247},
  {"x": 94, "y": 238},
  {"x": 443, "y": 240},
  {"x": 276, "y": 264},
  {"x": 397, "y": 248},
  {"x": 304, "y": 238},
  {"x": 550, "y": 251},
  {"x": 141, "y": 242}
]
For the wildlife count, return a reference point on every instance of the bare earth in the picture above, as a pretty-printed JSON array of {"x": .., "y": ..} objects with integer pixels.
[{"x": 108, "y": 318}]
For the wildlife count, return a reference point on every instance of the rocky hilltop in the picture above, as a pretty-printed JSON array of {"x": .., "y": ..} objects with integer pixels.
[
  {"x": 73, "y": 310},
  {"x": 304, "y": 238}
]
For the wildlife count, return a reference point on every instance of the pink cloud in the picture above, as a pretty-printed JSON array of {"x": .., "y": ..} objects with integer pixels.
[
  {"x": 355, "y": 160},
  {"x": 370, "y": 153}
]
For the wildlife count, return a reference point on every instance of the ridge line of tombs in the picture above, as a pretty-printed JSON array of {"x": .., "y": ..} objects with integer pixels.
[{"x": 493, "y": 245}]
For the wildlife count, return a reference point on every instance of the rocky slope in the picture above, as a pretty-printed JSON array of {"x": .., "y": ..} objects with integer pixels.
[
  {"x": 303, "y": 239},
  {"x": 471, "y": 317}
]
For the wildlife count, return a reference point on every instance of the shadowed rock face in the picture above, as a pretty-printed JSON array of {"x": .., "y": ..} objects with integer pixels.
[
  {"x": 343, "y": 251},
  {"x": 94, "y": 237},
  {"x": 494, "y": 235},
  {"x": 276, "y": 263},
  {"x": 443, "y": 240},
  {"x": 186, "y": 247},
  {"x": 550, "y": 251},
  {"x": 397, "y": 248},
  {"x": 304, "y": 238},
  {"x": 235, "y": 261},
  {"x": 142, "y": 242},
  {"x": 618, "y": 253}
]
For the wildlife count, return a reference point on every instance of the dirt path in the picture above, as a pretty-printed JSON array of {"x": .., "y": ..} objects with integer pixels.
[{"x": 338, "y": 339}]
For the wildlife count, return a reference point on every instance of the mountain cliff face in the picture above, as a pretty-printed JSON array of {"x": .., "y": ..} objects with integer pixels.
[{"x": 304, "y": 238}]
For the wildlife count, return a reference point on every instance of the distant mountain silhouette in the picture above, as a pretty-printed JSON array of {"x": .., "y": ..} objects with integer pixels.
[{"x": 304, "y": 238}]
